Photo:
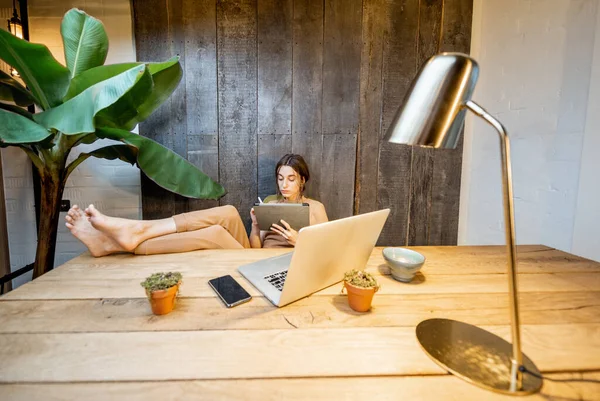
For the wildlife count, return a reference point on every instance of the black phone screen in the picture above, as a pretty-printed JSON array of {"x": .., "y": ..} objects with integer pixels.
[{"x": 229, "y": 290}]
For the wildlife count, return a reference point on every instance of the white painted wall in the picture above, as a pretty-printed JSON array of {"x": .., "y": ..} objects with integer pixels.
[
  {"x": 113, "y": 186},
  {"x": 586, "y": 235},
  {"x": 539, "y": 61}
]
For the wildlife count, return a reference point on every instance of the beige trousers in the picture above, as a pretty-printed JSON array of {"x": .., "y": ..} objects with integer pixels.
[{"x": 217, "y": 228}]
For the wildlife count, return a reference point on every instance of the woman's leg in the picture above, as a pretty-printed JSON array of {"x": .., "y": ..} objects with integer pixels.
[
  {"x": 98, "y": 243},
  {"x": 213, "y": 237},
  {"x": 129, "y": 233},
  {"x": 225, "y": 216}
]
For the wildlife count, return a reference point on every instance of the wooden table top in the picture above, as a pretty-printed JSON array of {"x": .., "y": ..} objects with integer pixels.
[{"x": 85, "y": 331}]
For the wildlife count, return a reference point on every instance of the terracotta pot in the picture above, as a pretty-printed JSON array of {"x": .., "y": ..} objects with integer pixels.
[
  {"x": 163, "y": 301},
  {"x": 360, "y": 298}
]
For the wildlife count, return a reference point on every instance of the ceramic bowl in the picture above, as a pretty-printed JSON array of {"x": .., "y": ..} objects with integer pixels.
[{"x": 404, "y": 263}]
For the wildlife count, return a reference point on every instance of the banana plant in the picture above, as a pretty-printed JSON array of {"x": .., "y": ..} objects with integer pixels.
[{"x": 81, "y": 103}]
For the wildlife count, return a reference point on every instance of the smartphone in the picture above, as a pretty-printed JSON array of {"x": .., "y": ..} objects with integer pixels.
[{"x": 229, "y": 290}]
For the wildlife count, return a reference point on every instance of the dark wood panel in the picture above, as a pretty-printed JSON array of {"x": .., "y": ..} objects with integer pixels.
[
  {"x": 428, "y": 43},
  {"x": 274, "y": 89},
  {"x": 200, "y": 76},
  {"x": 237, "y": 81},
  {"x": 456, "y": 36},
  {"x": 177, "y": 112},
  {"x": 270, "y": 149},
  {"x": 371, "y": 79},
  {"x": 275, "y": 66},
  {"x": 339, "y": 159},
  {"x": 341, "y": 93},
  {"x": 331, "y": 73},
  {"x": 307, "y": 89},
  {"x": 152, "y": 44},
  {"x": 341, "y": 66},
  {"x": 399, "y": 68}
]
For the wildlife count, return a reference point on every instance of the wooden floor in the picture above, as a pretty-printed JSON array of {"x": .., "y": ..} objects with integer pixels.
[{"x": 85, "y": 332}]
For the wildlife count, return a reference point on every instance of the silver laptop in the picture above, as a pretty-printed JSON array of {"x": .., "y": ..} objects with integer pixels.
[{"x": 322, "y": 254}]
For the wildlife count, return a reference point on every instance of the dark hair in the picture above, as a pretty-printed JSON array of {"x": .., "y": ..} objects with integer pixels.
[{"x": 299, "y": 165}]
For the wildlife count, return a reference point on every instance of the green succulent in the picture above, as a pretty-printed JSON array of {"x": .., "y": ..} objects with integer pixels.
[
  {"x": 161, "y": 281},
  {"x": 360, "y": 278}
]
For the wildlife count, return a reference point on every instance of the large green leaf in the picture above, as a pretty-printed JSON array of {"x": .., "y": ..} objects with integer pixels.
[
  {"x": 85, "y": 41},
  {"x": 16, "y": 129},
  {"x": 123, "y": 152},
  {"x": 165, "y": 167},
  {"x": 16, "y": 109},
  {"x": 126, "y": 108},
  {"x": 131, "y": 110},
  {"x": 47, "y": 79},
  {"x": 140, "y": 103},
  {"x": 94, "y": 75},
  {"x": 12, "y": 91},
  {"x": 76, "y": 115}
]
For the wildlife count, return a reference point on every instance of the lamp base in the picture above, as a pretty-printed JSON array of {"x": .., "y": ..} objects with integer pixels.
[{"x": 475, "y": 355}]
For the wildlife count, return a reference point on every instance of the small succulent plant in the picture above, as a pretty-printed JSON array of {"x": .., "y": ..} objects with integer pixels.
[
  {"x": 161, "y": 281},
  {"x": 360, "y": 278}
]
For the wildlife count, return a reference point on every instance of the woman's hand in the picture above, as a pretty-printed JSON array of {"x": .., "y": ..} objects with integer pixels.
[
  {"x": 253, "y": 217},
  {"x": 286, "y": 232}
]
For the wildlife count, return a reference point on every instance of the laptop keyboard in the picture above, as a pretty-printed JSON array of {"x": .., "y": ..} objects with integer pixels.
[{"x": 277, "y": 279}]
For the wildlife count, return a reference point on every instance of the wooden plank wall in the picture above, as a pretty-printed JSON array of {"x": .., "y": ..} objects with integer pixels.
[{"x": 322, "y": 78}]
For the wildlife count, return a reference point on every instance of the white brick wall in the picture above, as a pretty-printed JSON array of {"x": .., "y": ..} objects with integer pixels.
[
  {"x": 113, "y": 186},
  {"x": 536, "y": 58}
]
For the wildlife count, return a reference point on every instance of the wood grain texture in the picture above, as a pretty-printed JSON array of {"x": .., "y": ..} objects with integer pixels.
[
  {"x": 428, "y": 44},
  {"x": 318, "y": 311},
  {"x": 371, "y": 80},
  {"x": 307, "y": 89},
  {"x": 58, "y": 342},
  {"x": 152, "y": 43},
  {"x": 399, "y": 68},
  {"x": 466, "y": 270},
  {"x": 237, "y": 80},
  {"x": 197, "y": 285},
  {"x": 308, "y": 68},
  {"x": 282, "y": 353},
  {"x": 200, "y": 77},
  {"x": 270, "y": 149},
  {"x": 455, "y": 37},
  {"x": 275, "y": 66},
  {"x": 341, "y": 93},
  {"x": 337, "y": 178},
  {"x": 443, "y": 387},
  {"x": 341, "y": 66},
  {"x": 274, "y": 89}
]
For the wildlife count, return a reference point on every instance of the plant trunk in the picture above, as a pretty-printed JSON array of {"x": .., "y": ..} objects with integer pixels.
[{"x": 52, "y": 191}]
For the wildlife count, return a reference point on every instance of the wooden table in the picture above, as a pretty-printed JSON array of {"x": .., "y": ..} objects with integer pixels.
[{"x": 85, "y": 332}]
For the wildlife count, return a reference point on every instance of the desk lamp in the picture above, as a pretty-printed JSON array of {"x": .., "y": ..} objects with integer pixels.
[{"x": 433, "y": 115}]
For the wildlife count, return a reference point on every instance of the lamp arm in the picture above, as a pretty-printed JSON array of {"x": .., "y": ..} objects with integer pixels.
[{"x": 509, "y": 219}]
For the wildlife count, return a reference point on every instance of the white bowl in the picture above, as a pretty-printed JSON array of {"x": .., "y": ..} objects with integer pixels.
[{"x": 404, "y": 263}]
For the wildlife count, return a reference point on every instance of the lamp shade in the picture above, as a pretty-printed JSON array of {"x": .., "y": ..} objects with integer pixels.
[{"x": 433, "y": 111}]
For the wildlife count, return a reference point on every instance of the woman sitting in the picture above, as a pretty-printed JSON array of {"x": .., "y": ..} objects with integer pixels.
[
  {"x": 292, "y": 174},
  {"x": 217, "y": 228}
]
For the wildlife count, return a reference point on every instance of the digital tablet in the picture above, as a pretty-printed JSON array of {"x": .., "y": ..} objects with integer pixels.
[{"x": 297, "y": 215}]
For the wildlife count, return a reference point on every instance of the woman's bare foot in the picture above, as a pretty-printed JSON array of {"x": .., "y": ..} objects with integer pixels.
[
  {"x": 98, "y": 243},
  {"x": 125, "y": 232}
]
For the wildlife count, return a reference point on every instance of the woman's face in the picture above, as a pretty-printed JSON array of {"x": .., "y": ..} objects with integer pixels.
[{"x": 289, "y": 182}]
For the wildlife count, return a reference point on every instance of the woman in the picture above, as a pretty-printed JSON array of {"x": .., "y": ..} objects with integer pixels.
[
  {"x": 216, "y": 228},
  {"x": 292, "y": 174}
]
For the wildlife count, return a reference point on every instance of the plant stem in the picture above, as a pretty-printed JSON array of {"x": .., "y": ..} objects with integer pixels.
[{"x": 53, "y": 179}]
